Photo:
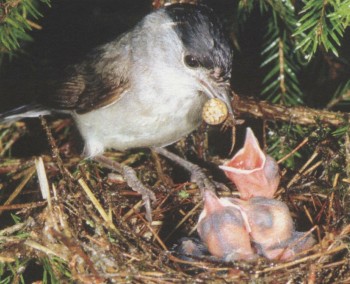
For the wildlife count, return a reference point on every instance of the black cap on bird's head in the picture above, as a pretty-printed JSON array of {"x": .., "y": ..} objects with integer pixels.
[{"x": 203, "y": 37}]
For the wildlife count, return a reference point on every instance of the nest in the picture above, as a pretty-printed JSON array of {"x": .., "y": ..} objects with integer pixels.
[{"x": 91, "y": 228}]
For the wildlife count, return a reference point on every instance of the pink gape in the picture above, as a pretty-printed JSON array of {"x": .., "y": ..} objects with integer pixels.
[
  {"x": 240, "y": 229},
  {"x": 234, "y": 229},
  {"x": 252, "y": 171}
]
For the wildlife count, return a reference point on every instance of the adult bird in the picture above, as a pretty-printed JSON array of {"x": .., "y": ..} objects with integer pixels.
[{"x": 146, "y": 88}]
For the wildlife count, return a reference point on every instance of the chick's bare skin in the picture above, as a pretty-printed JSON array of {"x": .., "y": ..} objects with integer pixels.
[
  {"x": 272, "y": 228},
  {"x": 223, "y": 229},
  {"x": 252, "y": 171}
]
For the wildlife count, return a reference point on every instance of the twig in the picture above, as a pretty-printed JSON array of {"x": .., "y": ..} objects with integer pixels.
[
  {"x": 300, "y": 172},
  {"x": 297, "y": 115},
  {"x": 22, "y": 206},
  {"x": 30, "y": 172},
  {"x": 293, "y": 151},
  {"x": 45, "y": 249},
  {"x": 98, "y": 206},
  {"x": 188, "y": 215},
  {"x": 301, "y": 260}
]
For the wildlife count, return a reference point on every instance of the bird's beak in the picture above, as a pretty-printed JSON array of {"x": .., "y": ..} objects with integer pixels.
[
  {"x": 220, "y": 90},
  {"x": 229, "y": 226},
  {"x": 252, "y": 171}
]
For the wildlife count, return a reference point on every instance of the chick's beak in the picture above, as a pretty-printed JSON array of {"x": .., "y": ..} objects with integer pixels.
[{"x": 252, "y": 171}]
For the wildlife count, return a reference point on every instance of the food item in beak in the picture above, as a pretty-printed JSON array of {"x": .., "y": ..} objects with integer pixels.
[{"x": 214, "y": 111}]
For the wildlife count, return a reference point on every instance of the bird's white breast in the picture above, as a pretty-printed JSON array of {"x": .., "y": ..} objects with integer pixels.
[{"x": 158, "y": 114}]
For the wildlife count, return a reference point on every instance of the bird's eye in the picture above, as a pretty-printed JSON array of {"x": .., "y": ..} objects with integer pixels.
[{"x": 191, "y": 61}]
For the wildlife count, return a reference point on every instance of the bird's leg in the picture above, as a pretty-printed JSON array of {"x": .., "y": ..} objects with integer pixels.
[
  {"x": 197, "y": 174},
  {"x": 132, "y": 180}
]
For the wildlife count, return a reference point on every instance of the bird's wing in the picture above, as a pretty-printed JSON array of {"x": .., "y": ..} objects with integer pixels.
[{"x": 98, "y": 81}]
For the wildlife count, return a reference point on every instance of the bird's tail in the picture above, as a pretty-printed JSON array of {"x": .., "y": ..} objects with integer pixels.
[{"x": 25, "y": 111}]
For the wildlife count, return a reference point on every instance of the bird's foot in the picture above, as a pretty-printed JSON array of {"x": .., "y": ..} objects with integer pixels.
[
  {"x": 132, "y": 180},
  {"x": 197, "y": 174}
]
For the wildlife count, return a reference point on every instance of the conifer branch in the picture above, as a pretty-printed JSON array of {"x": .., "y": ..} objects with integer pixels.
[
  {"x": 323, "y": 24},
  {"x": 15, "y": 23},
  {"x": 297, "y": 115}
]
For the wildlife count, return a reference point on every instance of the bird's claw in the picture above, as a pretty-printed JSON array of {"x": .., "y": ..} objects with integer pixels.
[
  {"x": 147, "y": 195},
  {"x": 132, "y": 180}
]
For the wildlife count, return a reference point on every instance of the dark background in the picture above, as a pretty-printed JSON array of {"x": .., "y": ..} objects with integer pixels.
[{"x": 70, "y": 29}]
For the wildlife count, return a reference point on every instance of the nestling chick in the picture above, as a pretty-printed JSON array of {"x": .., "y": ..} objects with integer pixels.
[
  {"x": 252, "y": 171},
  {"x": 272, "y": 229},
  {"x": 234, "y": 229},
  {"x": 222, "y": 228}
]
